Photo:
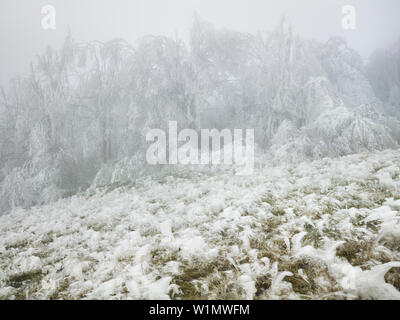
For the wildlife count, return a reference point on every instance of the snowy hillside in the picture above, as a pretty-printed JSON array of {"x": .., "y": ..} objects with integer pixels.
[
  {"x": 81, "y": 116},
  {"x": 329, "y": 229}
]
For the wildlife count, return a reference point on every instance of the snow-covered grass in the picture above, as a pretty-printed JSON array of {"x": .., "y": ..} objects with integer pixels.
[{"x": 328, "y": 229}]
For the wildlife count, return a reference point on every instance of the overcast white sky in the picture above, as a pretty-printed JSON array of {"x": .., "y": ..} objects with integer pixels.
[{"x": 22, "y": 37}]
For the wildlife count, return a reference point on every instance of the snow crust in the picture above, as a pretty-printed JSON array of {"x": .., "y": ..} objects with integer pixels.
[{"x": 329, "y": 229}]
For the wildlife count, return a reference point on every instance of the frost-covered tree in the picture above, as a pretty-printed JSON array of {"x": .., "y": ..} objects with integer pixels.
[{"x": 81, "y": 115}]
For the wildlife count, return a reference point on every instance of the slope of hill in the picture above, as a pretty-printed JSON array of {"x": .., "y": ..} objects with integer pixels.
[{"x": 329, "y": 229}]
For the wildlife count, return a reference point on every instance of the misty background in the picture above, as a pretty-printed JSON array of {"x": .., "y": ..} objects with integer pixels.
[{"x": 22, "y": 37}]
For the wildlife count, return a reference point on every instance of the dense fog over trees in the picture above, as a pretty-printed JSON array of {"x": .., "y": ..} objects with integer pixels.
[{"x": 81, "y": 116}]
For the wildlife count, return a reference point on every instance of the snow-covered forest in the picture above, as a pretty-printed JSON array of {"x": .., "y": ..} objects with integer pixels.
[
  {"x": 83, "y": 215},
  {"x": 80, "y": 117}
]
